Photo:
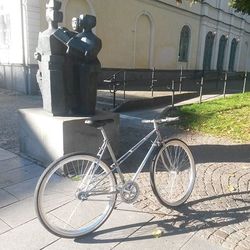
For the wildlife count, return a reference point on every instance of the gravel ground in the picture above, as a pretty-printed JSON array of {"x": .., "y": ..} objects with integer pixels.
[{"x": 10, "y": 102}]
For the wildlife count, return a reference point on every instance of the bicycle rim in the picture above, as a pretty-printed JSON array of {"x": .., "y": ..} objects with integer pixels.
[
  {"x": 75, "y": 195},
  {"x": 173, "y": 173}
]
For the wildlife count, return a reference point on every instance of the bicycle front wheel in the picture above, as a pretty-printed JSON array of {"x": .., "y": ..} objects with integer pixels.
[
  {"x": 75, "y": 195},
  {"x": 173, "y": 173}
]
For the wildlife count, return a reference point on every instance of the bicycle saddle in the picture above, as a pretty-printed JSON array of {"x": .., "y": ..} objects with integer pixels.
[{"x": 98, "y": 123}]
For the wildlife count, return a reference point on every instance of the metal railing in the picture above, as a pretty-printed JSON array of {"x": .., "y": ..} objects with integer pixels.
[
  {"x": 114, "y": 83},
  {"x": 202, "y": 79}
]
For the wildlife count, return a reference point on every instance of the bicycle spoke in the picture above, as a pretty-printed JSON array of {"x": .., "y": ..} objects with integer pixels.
[
  {"x": 173, "y": 173},
  {"x": 172, "y": 185},
  {"x": 71, "y": 215},
  {"x": 78, "y": 201}
]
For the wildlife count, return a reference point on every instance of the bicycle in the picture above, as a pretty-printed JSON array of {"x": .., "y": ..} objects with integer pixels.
[{"x": 76, "y": 193}]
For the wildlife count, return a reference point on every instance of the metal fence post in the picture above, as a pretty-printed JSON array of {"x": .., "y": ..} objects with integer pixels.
[
  {"x": 201, "y": 88},
  {"x": 113, "y": 91},
  {"x": 225, "y": 85},
  {"x": 173, "y": 85},
  {"x": 152, "y": 82},
  {"x": 124, "y": 84},
  {"x": 180, "y": 83},
  {"x": 114, "y": 97},
  {"x": 245, "y": 83}
]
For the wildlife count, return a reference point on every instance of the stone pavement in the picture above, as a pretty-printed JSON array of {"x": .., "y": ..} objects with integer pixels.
[
  {"x": 219, "y": 207},
  {"x": 216, "y": 216},
  {"x": 20, "y": 229}
]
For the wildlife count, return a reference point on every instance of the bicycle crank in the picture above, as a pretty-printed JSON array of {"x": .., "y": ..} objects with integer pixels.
[{"x": 129, "y": 192}]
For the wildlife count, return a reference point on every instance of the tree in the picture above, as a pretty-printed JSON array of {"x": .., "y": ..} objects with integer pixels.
[{"x": 241, "y": 6}]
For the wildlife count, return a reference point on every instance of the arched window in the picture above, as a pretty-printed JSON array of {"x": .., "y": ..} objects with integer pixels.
[
  {"x": 143, "y": 42},
  {"x": 208, "y": 51},
  {"x": 74, "y": 8},
  {"x": 232, "y": 55},
  {"x": 184, "y": 44},
  {"x": 221, "y": 53}
]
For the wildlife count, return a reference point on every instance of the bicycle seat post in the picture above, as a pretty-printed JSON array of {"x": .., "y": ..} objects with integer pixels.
[
  {"x": 106, "y": 143},
  {"x": 104, "y": 135}
]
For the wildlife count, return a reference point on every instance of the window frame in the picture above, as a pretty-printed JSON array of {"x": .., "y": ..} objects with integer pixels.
[{"x": 184, "y": 44}]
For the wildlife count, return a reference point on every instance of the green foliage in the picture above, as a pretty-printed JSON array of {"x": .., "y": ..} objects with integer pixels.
[
  {"x": 241, "y": 5},
  {"x": 229, "y": 117}
]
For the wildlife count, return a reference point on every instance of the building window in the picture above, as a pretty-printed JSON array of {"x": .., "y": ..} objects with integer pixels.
[
  {"x": 208, "y": 51},
  {"x": 143, "y": 41},
  {"x": 221, "y": 54},
  {"x": 232, "y": 55},
  {"x": 4, "y": 28},
  {"x": 184, "y": 44}
]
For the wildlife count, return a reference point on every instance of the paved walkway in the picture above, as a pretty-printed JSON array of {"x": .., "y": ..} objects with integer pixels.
[
  {"x": 217, "y": 215},
  {"x": 219, "y": 207}
]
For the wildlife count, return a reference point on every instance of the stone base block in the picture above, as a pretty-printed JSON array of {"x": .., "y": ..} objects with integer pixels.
[{"x": 46, "y": 138}]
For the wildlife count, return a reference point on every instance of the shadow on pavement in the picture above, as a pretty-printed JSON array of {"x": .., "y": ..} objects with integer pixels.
[
  {"x": 221, "y": 153},
  {"x": 187, "y": 220},
  {"x": 202, "y": 154}
]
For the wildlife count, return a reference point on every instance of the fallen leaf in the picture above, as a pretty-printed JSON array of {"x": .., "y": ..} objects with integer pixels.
[
  {"x": 231, "y": 188},
  {"x": 157, "y": 233},
  {"x": 76, "y": 178}
]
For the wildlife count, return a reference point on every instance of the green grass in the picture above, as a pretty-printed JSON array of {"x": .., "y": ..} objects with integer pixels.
[{"x": 229, "y": 117}]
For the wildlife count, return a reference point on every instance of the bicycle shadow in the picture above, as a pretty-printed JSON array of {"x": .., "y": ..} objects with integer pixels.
[{"x": 188, "y": 220}]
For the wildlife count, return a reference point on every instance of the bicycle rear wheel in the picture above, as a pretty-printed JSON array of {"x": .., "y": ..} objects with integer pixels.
[
  {"x": 75, "y": 195},
  {"x": 173, "y": 173}
]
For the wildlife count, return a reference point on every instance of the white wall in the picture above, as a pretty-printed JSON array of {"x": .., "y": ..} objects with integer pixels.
[
  {"x": 12, "y": 53},
  {"x": 215, "y": 16},
  {"x": 31, "y": 10}
]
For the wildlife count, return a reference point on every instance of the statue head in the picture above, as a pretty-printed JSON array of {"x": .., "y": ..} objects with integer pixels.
[
  {"x": 53, "y": 4},
  {"x": 76, "y": 24},
  {"x": 88, "y": 22},
  {"x": 53, "y": 15}
]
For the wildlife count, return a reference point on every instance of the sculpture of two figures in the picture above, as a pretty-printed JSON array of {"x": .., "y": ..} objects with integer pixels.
[{"x": 68, "y": 64}]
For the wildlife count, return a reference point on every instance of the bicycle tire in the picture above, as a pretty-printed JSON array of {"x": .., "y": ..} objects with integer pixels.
[
  {"x": 87, "y": 188},
  {"x": 173, "y": 173}
]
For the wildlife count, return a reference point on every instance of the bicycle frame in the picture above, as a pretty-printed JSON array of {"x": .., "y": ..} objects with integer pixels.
[{"x": 116, "y": 163}]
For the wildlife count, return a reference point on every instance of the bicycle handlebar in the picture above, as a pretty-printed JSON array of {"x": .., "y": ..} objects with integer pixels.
[{"x": 167, "y": 119}]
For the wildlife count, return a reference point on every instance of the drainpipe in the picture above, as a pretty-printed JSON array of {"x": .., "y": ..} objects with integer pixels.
[{"x": 25, "y": 65}]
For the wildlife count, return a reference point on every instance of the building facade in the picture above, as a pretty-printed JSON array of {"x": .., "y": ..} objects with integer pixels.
[{"x": 136, "y": 34}]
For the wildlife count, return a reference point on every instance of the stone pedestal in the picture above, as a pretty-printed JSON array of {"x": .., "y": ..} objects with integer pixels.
[{"x": 46, "y": 138}]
